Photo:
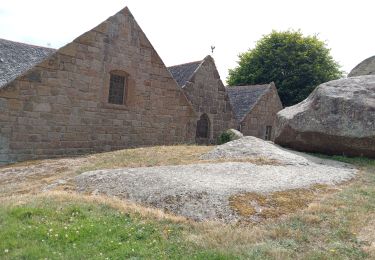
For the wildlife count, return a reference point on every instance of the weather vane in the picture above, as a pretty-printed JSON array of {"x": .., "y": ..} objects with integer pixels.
[{"x": 212, "y": 49}]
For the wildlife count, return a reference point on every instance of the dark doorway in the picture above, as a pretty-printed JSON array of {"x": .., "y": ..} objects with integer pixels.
[
  {"x": 203, "y": 127},
  {"x": 268, "y": 133}
]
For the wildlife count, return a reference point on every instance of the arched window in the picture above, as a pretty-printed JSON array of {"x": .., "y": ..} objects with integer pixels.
[{"x": 203, "y": 126}]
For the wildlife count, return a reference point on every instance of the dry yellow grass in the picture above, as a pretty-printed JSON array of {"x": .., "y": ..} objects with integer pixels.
[
  {"x": 276, "y": 204},
  {"x": 146, "y": 157}
]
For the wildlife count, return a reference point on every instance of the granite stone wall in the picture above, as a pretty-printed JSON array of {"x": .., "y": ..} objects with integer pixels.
[
  {"x": 262, "y": 115},
  {"x": 206, "y": 92},
  {"x": 60, "y": 108}
]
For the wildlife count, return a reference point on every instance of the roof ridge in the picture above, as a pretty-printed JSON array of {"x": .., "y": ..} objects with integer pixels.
[
  {"x": 187, "y": 63},
  {"x": 27, "y": 44},
  {"x": 235, "y": 86}
]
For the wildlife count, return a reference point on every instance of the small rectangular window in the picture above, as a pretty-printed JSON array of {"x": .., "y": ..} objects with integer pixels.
[
  {"x": 268, "y": 133},
  {"x": 117, "y": 87}
]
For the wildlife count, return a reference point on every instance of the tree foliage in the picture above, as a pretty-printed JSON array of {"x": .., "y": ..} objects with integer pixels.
[{"x": 296, "y": 63}]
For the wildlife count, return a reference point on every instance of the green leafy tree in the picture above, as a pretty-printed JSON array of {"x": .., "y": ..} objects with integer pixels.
[{"x": 296, "y": 63}]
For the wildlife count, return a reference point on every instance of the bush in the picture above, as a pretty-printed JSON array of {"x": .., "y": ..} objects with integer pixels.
[
  {"x": 229, "y": 135},
  {"x": 224, "y": 138}
]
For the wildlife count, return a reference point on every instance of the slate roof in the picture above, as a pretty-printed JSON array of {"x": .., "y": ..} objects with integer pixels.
[
  {"x": 16, "y": 58},
  {"x": 183, "y": 72},
  {"x": 243, "y": 98}
]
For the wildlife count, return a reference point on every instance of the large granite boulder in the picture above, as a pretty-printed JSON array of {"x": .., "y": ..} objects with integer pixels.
[
  {"x": 337, "y": 118},
  {"x": 366, "y": 67}
]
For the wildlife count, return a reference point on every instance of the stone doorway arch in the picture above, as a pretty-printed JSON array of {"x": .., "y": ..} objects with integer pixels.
[{"x": 203, "y": 127}]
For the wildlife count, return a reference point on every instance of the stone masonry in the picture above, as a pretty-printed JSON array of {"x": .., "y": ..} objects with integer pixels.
[{"x": 59, "y": 107}]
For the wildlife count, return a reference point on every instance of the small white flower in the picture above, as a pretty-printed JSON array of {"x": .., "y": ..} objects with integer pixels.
[
  {"x": 56, "y": 235},
  {"x": 65, "y": 227},
  {"x": 51, "y": 230},
  {"x": 6, "y": 250}
]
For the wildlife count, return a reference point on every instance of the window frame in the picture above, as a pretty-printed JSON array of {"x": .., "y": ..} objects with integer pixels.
[{"x": 125, "y": 75}]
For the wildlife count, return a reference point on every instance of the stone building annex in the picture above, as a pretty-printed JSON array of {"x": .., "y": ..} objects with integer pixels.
[
  {"x": 201, "y": 83},
  {"x": 255, "y": 108},
  {"x": 108, "y": 89},
  {"x": 250, "y": 109}
]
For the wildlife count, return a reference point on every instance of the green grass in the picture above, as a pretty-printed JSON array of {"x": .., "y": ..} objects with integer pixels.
[
  {"x": 359, "y": 161},
  {"x": 52, "y": 229}
]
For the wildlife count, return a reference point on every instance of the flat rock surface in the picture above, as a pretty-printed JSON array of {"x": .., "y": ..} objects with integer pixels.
[{"x": 201, "y": 191}]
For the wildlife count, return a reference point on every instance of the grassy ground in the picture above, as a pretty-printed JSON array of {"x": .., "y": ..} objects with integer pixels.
[
  {"x": 58, "y": 228},
  {"x": 321, "y": 224}
]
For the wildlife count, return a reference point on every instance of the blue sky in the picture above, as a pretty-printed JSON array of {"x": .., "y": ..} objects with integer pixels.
[{"x": 183, "y": 31}]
